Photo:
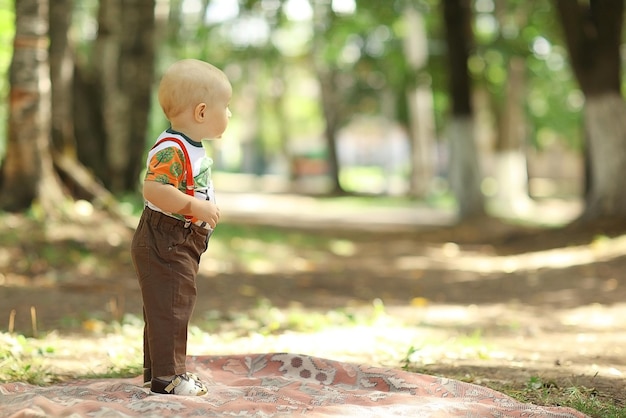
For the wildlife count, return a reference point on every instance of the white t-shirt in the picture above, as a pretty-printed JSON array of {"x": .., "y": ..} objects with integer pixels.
[{"x": 166, "y": 164}]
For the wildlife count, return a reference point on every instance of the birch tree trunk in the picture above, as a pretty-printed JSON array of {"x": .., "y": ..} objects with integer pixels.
[
  {"x": 605, "y": 120},
  {"x": 510, "y": 166},
  {"x": 464, "y": 169},
  {"x": 27, "y": 173}
]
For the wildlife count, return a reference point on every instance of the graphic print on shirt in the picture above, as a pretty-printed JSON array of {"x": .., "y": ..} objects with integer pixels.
[
  {"x": 203, "y": 184},
  {"x": 167, "y": 167}
]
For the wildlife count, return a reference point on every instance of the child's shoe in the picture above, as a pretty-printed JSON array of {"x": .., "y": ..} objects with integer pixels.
[
  {"x": 181, "y": 384},
  {"x": 147, "y": 378}
]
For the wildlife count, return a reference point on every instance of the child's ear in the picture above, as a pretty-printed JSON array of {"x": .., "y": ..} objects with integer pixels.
[{"x": 199, "y": 112}]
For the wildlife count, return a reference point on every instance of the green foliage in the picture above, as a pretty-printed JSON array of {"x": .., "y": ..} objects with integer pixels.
[
  {"x": 527, "y": 30},
  {"x": 21, "y": 361},
  {"x": 406, "y": 361}
]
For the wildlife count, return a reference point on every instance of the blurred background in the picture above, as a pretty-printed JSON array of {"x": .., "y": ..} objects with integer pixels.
[
  {"x": 473, "y": 106},
  {"x": 432, "y": 185}
]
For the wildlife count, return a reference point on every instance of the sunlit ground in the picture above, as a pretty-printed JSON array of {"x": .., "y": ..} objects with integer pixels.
[{"x": 485, "y": 335}]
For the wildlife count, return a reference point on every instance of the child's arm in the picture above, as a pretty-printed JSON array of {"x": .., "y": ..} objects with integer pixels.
[{"x": 170, "y": 199}]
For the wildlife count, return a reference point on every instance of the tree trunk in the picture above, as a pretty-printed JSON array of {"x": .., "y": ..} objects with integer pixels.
[
  {"x": 420, "y": 106},
  {"x": 510, "y": 171},
  {"x": 593, "y": 36},
  {"x": 61, "y": 76},
  {"x": 330, "y": 108},
  {"x": 88, "y": 123},
  {"x": 327, "y": 75},
  {"x": 605, "y": 118},
  {"x": 121, "y": 81},
  {"x": 137, "y": 79},
  {"x": 464, "y": 181},
  {"x": 27, "y": 172},
  {"x": 464, "y": 169},
  {"x": 115, "y": 101}
]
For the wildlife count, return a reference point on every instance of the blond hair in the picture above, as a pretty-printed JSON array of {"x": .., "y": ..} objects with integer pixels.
[{"x": 189, "y": 82}]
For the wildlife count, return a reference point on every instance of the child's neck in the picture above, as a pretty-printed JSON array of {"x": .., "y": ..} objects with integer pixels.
[{"x": 185, "y": 129}]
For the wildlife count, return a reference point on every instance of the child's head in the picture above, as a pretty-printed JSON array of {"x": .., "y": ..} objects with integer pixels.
[{"x": 195, "y": 91}]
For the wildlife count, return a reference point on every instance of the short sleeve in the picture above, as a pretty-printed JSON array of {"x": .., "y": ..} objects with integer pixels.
[{"x": 167, "y": 166}]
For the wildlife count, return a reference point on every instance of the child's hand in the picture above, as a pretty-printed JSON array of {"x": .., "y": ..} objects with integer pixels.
[
  {"x": 172, "y": 200},
  {"x": 207, "y": 211}
]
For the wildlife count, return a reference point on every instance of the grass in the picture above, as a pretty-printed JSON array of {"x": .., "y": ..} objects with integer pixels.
[
  {"x": 20, "y": 360},
  {"x": 580, "y": 398},
  {"x": 535, "y": 390},
  {"x": 540, "y": 392}
]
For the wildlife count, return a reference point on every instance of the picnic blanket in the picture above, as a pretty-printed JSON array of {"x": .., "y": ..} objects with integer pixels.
[{"x": 274, "y": 385}]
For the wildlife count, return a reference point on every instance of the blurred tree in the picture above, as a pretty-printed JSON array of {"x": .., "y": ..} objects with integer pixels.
[
  {"x": 593, "y": 34},
  {"x": 244, "y": 38},
  {"x": 510, "y": 162},
  {"x": 378, "y": 56},
  {"x": 28, "y": 175},
  {"x": 44, "y": 70},
  {"x": 464, "y": 170},
  {"x": 420, "y": 103},
  {"x": 508, "y": 105},
  {"x": 62, "y": 76},
  {"x": 114, "y": 93},
  {"x": 324, "y": 62}
]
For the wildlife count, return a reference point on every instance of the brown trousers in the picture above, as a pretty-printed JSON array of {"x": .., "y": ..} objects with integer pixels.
[{"x": 166, "y": 255}]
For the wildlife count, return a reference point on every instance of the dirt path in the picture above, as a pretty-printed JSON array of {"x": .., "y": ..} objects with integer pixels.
[{"x": 481, "y": 302}]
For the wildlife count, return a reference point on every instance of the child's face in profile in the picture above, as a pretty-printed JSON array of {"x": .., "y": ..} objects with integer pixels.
[{"x": 217, "y": 116}]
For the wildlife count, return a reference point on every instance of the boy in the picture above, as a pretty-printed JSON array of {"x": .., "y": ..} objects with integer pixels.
[{"x": 178, "y": 219}]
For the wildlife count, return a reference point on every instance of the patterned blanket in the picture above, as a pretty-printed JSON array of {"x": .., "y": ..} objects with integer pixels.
[{"x": 274, "y": 385}]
